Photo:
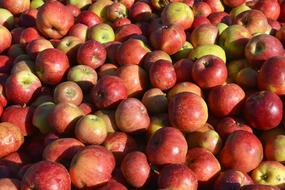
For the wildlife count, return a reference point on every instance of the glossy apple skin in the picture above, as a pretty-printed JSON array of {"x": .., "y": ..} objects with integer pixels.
[
  {"x": 233, "y": 3},
  {"x": 177, "y": 176},
  {"x": 209, "y": 71},
  {"x": 270, "y": 75},
  {"x": 10, "y": 184},
  {"x": 187, "y": 111},
  {"x": 182, "y": 68},
  {"x": 140, "y": 11},
  {"x": 6, "y": 39},
  {"x": 113, "y": 185},
  {"x": 232, "y": 179},
  {"x": 168, "y": 39},
  {"x": 29, "y": 34},
  {"x": 132, "y": 116},
  {"x": 20, "y": 117},
  {"x": 271, "y": 9},
  {"x": 16, "y": 7},
  {"x": 262, "y": 47},
  {"x": 36, "y": 46},
  {"x": 269, "y": 108},
  {"x": 62, "y": 150},
  {"x": 109, "y": 92},
  {"x": 135, "y": 168},
  {"x": 120, "y": 22},
  {"x": 38, "y": 176},
  {"x": 259, "y": 187},
  {"x": 126, "y": 31},
  {"x": 91, "y": 167},
  {"x": 154, "y": 56},
  {"x": 167, "y": 146},
  {"x": 240, "y": 145},
  {"x": 204, "y": 34},
  {"x": 274, "y": 147},
  {"x": 79, "y": 30},
  {"x": 226, "y": 100},
  {"x": 88, "y": 18},
  {"x": 51, "y": 66},
  {"x": 91, "y": 53},
  {"x": 203, "y": 163},
  {"x": 228, "y": 125}
]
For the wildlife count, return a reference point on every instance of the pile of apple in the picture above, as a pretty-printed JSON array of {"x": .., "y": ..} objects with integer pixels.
[{"x": 142, "y": 94}]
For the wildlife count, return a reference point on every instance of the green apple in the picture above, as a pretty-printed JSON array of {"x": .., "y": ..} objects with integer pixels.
[
  {"x": 233, "y": 40},
  {"x": 203, "y": 50},
  {"x": 157, "y": 122},
  {"x": 184, "y": 51},
  {"x": 99, "y": 8},
  {"x": 239, "y": 9},
  {"x": 81, "y": 4},
  {"x": 270, "y": 173},
  {"x": 36, "y": 4},
  {"x": 102, "y": 33},
  {"x": 6, "y": 18},
  {"x": 221, "y": 27}
]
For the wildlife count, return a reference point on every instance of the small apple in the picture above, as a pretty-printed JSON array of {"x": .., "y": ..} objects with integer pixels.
[
  {"x": 68, "y": 92},
  {"x": 102, "y": 33}
]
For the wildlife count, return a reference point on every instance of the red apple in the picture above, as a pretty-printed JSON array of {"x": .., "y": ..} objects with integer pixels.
[
  {"x": 6, "y": 38},
  {"x": 107, "y": 69},
  {"x": 88, "y": 18},
  {"x": 16, "y": 7},
  {"x": 201, "y": 9},
  {"x": 120, "y": 22},
  {"x": 28, "y": 35},
  {"x": 154, "y": 56},
  {"x": 271, "y": 9},
  {"x": 127, "y": 31},
  {"x": 36, "y": 46},
  {"x": 10, "y": 184},
  {"x": 220, "y": 17},
  {"x": 79, "y": 30},
  {"x": 234, "y": 3},
  {"x": 204, "y": 34},
  {"x": 183, "y": 69},
  {"x": 5, "y": 64},
  {"x": 68, "y": 92},
  {"x": 184, "y": 87},
  {"x": 141, "y": 11},
  {"x": 199, "y": 20},
  {"x": 116, "y": 11}
]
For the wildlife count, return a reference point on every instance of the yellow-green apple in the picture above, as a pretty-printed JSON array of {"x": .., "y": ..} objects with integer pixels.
[
  {"x": 201, "y": 8},
  {"x": 109, "y": 118},
  {"x": 269, "y": 108},
  {"x": 6, "y": 18},
  {"x": 233, "y": 40},
  {"x": 108, "y": 92},
  {"x": 162, "y": 74},
  {"x": 154, "y": 56},
  {"x": 269, "y": 173},
  {"x": 40, "y": 116},
  {"x": 132, "y": 116},
  {"x": 167, "y": 146},
  {"x": 84, "y": 75},
  {"x": 203, "y": 163},
  {"x": 120, "y": 144},
  {"x": 10, "y": 184},
  {"x": 233, "y": 3},
  {"x": 240, "y": 145},
  {"x": 81, "y": 4},
  {"x": 127, "y": 31},
  {"x": 6, "y": 39},
  {"x": 254, "y": 20},
  {"x": 88, "y": 18},
  {"x": 11, "y": 138},
  {"x": 135, "y": 168},
  {"x": 99, "y": 8},
  {"x": 36, "y": 46},
  {"x": 91, "y": 167},
  {"x": 155, "y": 101},
  {"x": 169, "y": 39},
  {"x": 239, "y": 9},
  {"x": 211, "y": 49},
  {"x": 22, "y": 87},
  {"x": 69, "y": 45},
  {"x": 226, "y": 99},
  {"x": 63, "y": 117},
  {"x": 184, "y": 87},
  {"x": 79, "y": 30},
  {"x": 91, "y": 129},
  {"x": 54, "y": 20},
  {"x": 15, "y": 7},
  {"x": 68, "y": 92},
  {"x": 259, "y": 187},
  {"x": 271, "y": 9},
  {"x": 260, "y": 48},
  {"x": 183, "y": 52},
  {"x": 35, "y": 4},
  {"x": 216, "y": 5},
  {"x": 209, "y": 71},
  {"x": 38, "y": 176},
  {"x": 232, "y": 179},
  {"x": 116, "y": 11},
  {"x": 270, "y": 75},
  {"x": 179, "y": 14},
  {"x": 135, "y": 79},
  {"x": 183, "y": 68},
  {"x": 228, "y": 125},
  {"x": 157, "y": 122},
  {"x": 177, "y": 176},
  {"x": 140, "y": 11},
  {"x": 102, "y": 33},
  {"x": 51, "y": 66},
  {"x": 205, "y": 34},
  {"x": 62, "y": 150}
]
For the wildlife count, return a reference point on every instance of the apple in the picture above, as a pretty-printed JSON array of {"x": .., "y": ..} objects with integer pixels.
[
  {"x": 271, "y": 9},
  {"x": 240, "y": 145},
  {"x": 102, "y": 33},
  {"x": 269, "y": 173},
  {"x": 127, "y": 31},
  {"x": 113, "y": 184},
  {"x": 234, "y": 67},
  {"x": 259, "y": 49},
  {"x": 28, "y": 18},
  {"x": 183, "y": 52},
  {"x": 109, "y": 118},
  {"x": 132, "y": 116},
  {"x": 120, "y": 22},
  {"x": 99, "y": 8},
  {"x": 157, "y": 122},
  {"x": 35, "y": 4},
  {"x": 167, "y": 146},
  {"x": 79, "y": 30},
  {"x": 38, "y": 176},
  {"x": 69, "y": 45},
  {"x": 220, "y": 17},
  {"x": 201, "y": 9},
  {"x": 187, "y": 111},
  {"x": 91, "y": 167},
  {"x": 154, "y": 56},
  {"x": 36, "y": 46},
  {"x": 140, "y": 11},
  {"x": 127, "y": 3},
  {"x": 234, "y": 3},
  {"x": 6, "y": 64},
  {"x": 120, "y": 144},
  {"x": 169, "y": 39},
  {"x": 259, "y": 187},
  {"x": 135, "y": 79},
  {"x": 40, "y": 116},
  {"x": 88, "y": 18},
  {"x": 184, "y": 87},
  {"x": 135, "y": 168},
  {"x": 203, "y": 163},
  {"x": 54, "y": 20},
  {"x": 51, "y": 66},
  {"x": 68, "y": 92},
  {"x": 211, "y": 49},
  {"x": 282, "y": 11},
  {"x": 274, "y": 147},
  {"x": 112, "y": 50},
  {"x": 6, "y": 39},
  {"x": 10, "y": 184},
  {"x": 80, "y": 4},
  {"x": 226, "y": 99},
  {"x": 239, "y": 9},
  {"x": 205, "y": 34},
  {"x": 232, "y": 179},
  {"x": 107, "y": 69},
  {"x": 155, "y": 101},
  {"x": 3, "y": 99},
  {"x": 162, "y": 74},
  {"x": 199, "y": 20},
  {"x": 64, "y": 116},
  {"x": 109, "y": 92},
  {"x": 6, "y": 18},
  {"x": 216, "y": 5},
  {"x": 15, "y": 7},
  {"x": 183, "y": 69},
  {"x": 91, "y": 129},
  {"x": 177, "y": 176},
  {"x": 247, "y": 78},
  {"x": 209, "y": 71},
  {"x": 116, "y": 11}
]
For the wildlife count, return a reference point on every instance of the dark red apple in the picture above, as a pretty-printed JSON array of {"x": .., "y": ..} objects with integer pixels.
[
  {"x": 183, "y": 69},
  {"x": 28, "y": 35},
  {"x": 28, "y": 18},
  {"x": 5, "y": 64},
  {"x": 127, "y": 31},
  {"x": 140, "y": 11},
  {"x": 88, "y": 18}
]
